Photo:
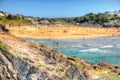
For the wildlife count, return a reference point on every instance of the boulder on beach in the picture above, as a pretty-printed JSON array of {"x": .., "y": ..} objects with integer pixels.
[{"x": 3, "y": 28}]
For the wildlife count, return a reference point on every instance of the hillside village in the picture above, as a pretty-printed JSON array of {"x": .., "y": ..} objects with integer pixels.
[{"x": 107, "y": 19}]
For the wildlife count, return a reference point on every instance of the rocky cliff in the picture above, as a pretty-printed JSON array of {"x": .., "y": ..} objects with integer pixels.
[{"x": 24, "y": 60}]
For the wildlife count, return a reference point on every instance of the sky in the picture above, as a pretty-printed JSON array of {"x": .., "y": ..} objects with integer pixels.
[{"x": 58, "y": 8}]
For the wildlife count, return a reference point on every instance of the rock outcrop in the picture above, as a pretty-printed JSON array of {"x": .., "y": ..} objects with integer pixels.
[
  {"x": 3, "y": 29},
  {"x": 24, "y": 60}
]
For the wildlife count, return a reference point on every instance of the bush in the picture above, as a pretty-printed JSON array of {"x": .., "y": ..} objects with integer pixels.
[
  {"x": 117, "y": 25},
  {"x": 2, "y": 47}
]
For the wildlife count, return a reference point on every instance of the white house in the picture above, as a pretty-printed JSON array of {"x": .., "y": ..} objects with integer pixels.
[{"x": 1, "y": 14}]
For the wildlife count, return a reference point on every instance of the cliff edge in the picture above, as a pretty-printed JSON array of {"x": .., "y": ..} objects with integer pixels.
[{"x": 25, "y": 60}]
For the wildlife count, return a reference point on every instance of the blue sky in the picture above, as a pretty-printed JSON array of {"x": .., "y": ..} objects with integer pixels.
[{"x": 58, "y": 8}]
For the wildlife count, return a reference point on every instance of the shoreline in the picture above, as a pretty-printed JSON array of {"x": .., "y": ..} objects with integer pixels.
[
  {"x": 22, "y": 50},
  {"x": 96, "y": 46},
  {"x": 70, "y": 38}
]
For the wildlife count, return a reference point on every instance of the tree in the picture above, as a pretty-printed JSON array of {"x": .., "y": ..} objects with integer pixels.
[{"x": 9, "y": 17}]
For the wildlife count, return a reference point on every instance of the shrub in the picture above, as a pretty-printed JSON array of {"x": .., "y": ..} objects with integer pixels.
[{"x": 2, "y": 47}]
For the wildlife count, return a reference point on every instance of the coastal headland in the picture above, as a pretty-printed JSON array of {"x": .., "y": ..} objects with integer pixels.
[
  {"x": 24, "y": 57},
  {"x": 25, "y": 60}
]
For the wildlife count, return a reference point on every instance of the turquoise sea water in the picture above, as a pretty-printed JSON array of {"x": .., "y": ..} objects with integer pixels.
[{"x": 93, "y": 49}]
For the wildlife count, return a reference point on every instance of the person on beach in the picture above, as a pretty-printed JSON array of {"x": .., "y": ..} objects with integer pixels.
[{"x": 56, "y": 43}]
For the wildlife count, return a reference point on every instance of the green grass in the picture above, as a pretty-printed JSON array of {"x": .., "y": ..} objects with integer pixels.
[
  {"x": 14, "y": 22},
  {"x": 109, "y": 76},
  {"x": 2, "y": 47}
]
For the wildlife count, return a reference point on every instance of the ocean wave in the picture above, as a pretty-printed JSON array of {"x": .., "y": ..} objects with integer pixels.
[
  {"x": 92, "y": 50},
  {"x": 76, "y": 46},
  {"x": 108, "y": 46}
]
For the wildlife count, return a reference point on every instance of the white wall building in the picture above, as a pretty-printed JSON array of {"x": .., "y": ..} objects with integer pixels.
[{"x": 1, "y": 14}]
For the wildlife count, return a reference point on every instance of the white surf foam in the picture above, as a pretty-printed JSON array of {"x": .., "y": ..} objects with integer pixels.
[
  {"x": 108, "y": 46},
  {"x": 92, "y": 50},
  {"x": 76, "y": 46}
]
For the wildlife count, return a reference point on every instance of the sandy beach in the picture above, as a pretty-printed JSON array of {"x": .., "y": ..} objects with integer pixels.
[{"x": 62, "y": 32}]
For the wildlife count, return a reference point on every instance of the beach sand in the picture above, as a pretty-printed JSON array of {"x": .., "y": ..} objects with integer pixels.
[{"x": 62, "y": 32}]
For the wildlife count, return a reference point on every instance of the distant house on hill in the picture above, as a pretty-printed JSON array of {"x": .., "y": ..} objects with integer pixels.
[
  {"x": 1, "y": 13},
  {"x": 114, "y": 13},
  {"x": 44, "y": 22}
]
